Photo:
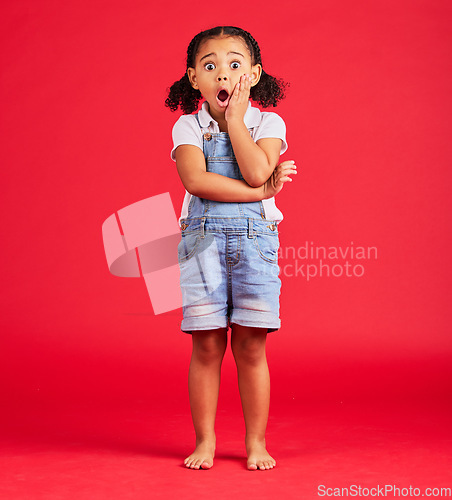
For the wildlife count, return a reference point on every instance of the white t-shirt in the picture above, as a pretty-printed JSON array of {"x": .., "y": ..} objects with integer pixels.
[{"x": 262, "y": 125}]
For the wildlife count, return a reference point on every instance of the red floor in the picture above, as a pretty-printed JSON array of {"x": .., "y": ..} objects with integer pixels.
[{"x": 136, "y": 451}]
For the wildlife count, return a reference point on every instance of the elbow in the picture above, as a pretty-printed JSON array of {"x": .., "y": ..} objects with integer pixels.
[
  {"x": 191, "y": 189},
  {"x": 192, "y": 185},
  {"x": 256, "y": 180},
  {"x": 260, "y": 174}
]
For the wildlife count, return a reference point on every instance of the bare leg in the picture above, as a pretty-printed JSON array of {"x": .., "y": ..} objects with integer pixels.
[
  {"x": 248, "y": 347},
  {"x": 209, "y": 347}
]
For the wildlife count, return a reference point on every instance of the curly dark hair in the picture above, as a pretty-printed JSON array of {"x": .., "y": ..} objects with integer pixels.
[{"x": 267, "y": 92}]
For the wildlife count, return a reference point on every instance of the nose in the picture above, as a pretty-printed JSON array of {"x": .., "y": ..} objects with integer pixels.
[{"x": 220, "y": 78}]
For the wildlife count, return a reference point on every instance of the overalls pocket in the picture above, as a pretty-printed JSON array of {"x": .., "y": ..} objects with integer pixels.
[
  {"x": 267, "y": 246},
  {"x": 186, "y": 248}
]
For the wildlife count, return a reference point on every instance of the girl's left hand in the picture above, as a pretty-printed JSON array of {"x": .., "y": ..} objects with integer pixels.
[{"x": 238, "y": 103}]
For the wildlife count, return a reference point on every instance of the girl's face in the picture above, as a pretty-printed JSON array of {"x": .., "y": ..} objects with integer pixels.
[{"x": 219, "y": 64}]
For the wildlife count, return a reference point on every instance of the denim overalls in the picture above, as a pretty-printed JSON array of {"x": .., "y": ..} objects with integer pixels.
[{"x": 228, "y": 255}]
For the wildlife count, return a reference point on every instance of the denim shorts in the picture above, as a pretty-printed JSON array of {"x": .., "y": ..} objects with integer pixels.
[{"x": 229, "y": 273}]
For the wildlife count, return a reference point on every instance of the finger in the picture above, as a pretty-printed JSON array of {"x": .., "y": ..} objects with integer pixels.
[
  {"x": 286, "y": 171},
  {"x": 283, "y": 177},
  {"x": 244, "y": 84},
  {"x": 282, "y": 181},
  {"x": 288, "y": 168},
  {"x": 283, "y": 168},
  {"x": 288, "y": 163},
  {"x": 239, "y": 88},
  {"x": 236, "y": 91},
  {"x": 248, "y": 82},
  {"x": 241, "y": 94}
]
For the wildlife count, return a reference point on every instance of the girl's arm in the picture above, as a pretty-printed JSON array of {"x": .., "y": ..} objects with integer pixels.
[
  {"x": 191, "y": 166},
  {"x": 257, "y": 160}
]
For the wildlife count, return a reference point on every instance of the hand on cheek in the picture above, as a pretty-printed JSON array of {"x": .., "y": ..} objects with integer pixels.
[{"x": 238, "y": 103}]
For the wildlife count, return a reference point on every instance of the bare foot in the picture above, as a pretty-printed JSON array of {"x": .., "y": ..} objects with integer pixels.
[
  {"x": 258, "y": 456},
  {"x": 202, "y": 457}
]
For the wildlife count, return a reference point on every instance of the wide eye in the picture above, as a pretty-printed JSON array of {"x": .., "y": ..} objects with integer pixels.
[
  {"x": 235, "y": 65},
  {"x": 209, "y": 66}
]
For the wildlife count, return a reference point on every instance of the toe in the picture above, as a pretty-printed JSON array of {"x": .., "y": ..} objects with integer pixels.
[{"x": 252, "y": 466}]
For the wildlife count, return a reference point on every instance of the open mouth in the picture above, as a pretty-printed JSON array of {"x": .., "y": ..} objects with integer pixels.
[{"x": 223, "y": 97}]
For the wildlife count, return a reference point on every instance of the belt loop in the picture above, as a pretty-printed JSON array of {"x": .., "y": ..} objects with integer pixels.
[
  {"x": 250, "y": 227},
  {"x": 203, "y": 221}
]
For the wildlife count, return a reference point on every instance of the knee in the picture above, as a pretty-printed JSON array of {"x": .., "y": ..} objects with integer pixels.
[
  {"x": 209, "y": 348},
  {"x": 250, "y": 351}
]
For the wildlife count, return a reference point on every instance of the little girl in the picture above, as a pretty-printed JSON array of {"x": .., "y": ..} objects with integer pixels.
[{"x": 227, "y": 158}]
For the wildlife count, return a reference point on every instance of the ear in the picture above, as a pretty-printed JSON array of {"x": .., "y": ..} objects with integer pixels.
[
  {"x": 256, "y": 72},
  {"x": 192, "y": 77}
]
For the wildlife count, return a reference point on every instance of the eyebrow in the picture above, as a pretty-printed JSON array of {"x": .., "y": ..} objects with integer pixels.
[{"x": 213, "y": 54}]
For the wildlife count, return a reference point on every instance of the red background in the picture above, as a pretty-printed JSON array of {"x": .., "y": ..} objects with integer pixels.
[{"x": 84, "y": 132}]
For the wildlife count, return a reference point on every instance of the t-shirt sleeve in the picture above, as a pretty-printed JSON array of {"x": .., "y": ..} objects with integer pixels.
[
  {"x": 272, "y": 126},
  {"x": 186, "y": 131}
]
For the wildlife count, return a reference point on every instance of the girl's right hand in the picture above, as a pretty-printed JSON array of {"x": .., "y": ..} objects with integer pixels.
[{"x": 279, "y": 176}]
